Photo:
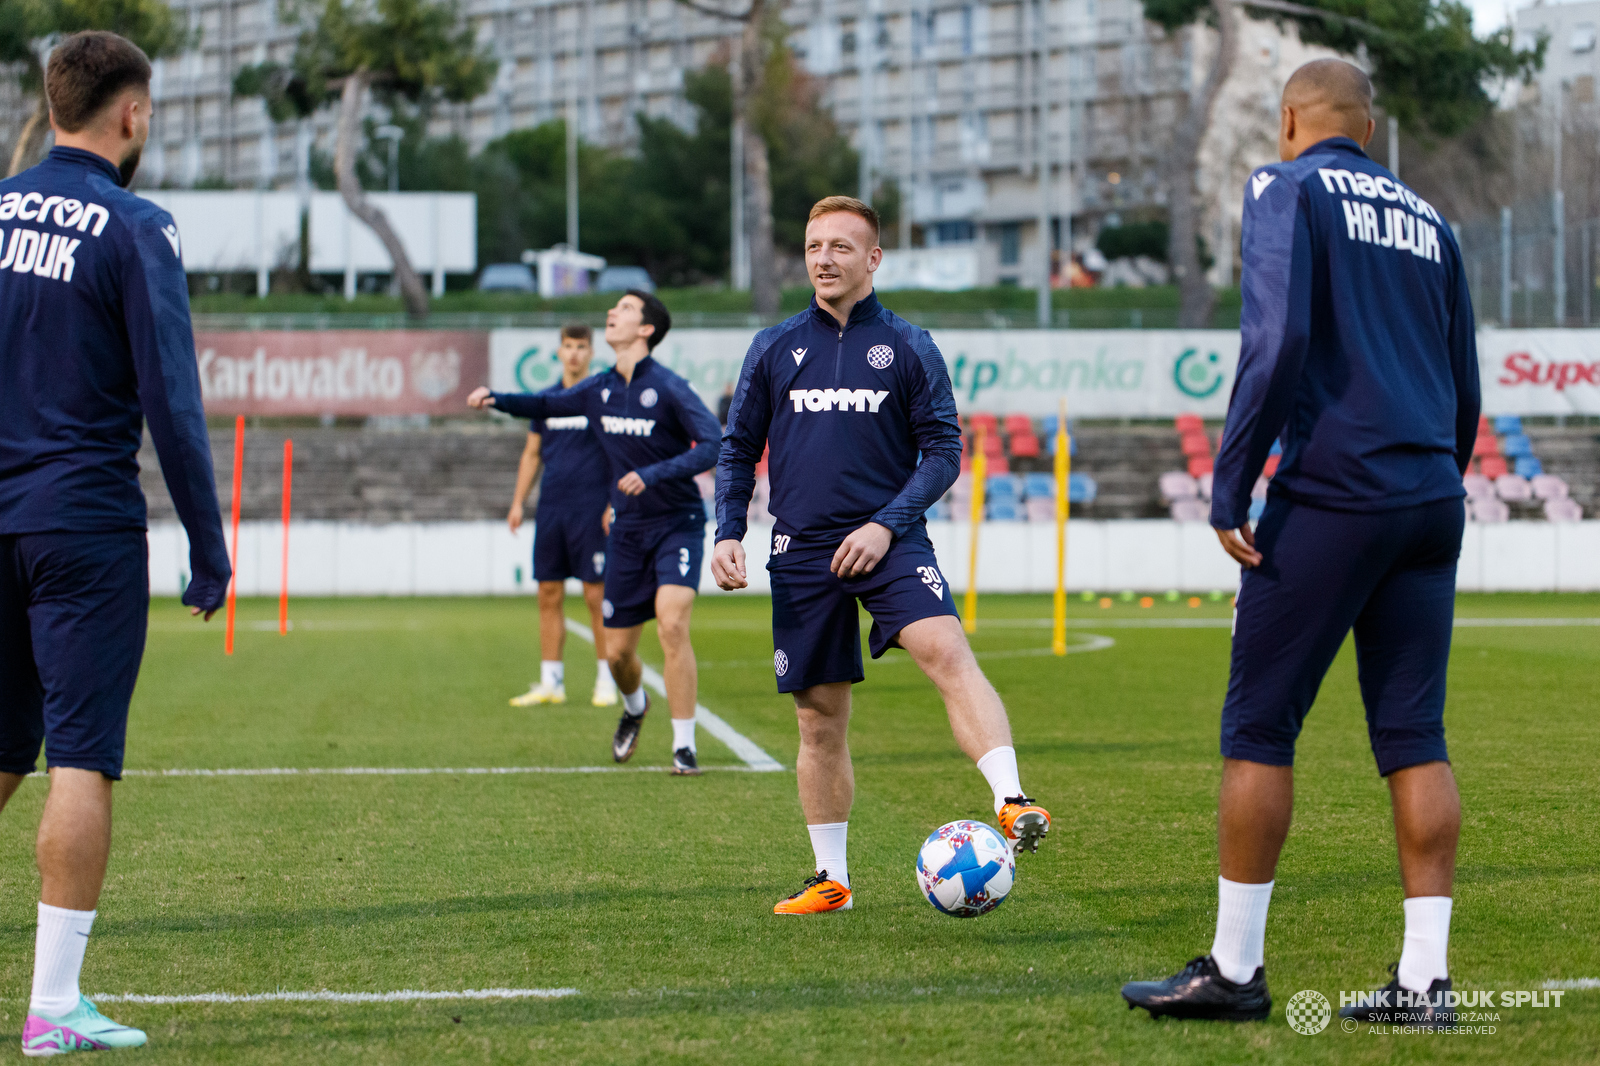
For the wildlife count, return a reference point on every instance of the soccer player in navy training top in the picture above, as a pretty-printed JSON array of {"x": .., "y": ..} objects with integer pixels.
[
  {"x": 95, "y": 344},
  {"x": 657, "y": 435},
  {"x": 857, "y": 405},
  {"x": 569, "y": 538},
  {"x": 1358, "y": 354}
]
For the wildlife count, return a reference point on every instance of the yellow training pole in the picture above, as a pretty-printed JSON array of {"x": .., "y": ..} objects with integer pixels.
[
  {"x": 980, "y": 464},
  {"x": 1058, "y": 643}
]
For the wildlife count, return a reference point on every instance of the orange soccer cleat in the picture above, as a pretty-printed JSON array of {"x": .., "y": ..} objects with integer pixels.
[
  {"x": 821, "y": 893},
  {"x": 1024, "y": 823}
]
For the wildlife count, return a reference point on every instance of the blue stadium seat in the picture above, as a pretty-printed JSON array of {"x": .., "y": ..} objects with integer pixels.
[
  {"x": 1047, "y": 426},
  {"x": 1037, "y": 485},
  {"x": 1277, "y": 448},
  {"x": 1081, "y": 488},
  {"x": 1072, "y": 442},
  {"x": 1257, "y": 505},
  {"x": 1516, "y": 446},
  {"x": 1508, "y": 424},
  {"x": 939, "y": 512},
  {"x": 1006, "y": 510},
  {"x": 1529, "y": 466},
  {"x": 1003, "y": 487}
]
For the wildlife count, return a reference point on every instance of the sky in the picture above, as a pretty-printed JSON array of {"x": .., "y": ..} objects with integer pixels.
[{"x": 1490, "y": 15}]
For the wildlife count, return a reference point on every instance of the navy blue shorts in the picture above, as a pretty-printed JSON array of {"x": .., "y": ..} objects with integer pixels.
[
  {"x": 642, "y": 560},
  {"x": 73, "y": 612},
  {"x": 816, "y": 632},
  {"x": 1390, "y": 575},
  {"x": 567, "y": 543}
]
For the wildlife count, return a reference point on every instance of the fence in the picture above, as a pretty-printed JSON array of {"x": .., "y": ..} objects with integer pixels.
[{"x": 1525, "y": 270}]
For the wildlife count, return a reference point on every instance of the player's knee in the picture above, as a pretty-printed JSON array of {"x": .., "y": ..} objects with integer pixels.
[{"x": 673, "y": 629}]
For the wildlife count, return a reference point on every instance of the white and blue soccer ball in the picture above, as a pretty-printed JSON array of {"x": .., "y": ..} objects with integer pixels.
[{"x": 965, "y": 869}]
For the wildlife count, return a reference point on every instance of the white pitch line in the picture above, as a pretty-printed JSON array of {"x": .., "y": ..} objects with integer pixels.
[
  {"x": 408, "y": 771},
  {"x": 747, "y": 750},
  {"x": 404, "y": 996},
  {"x": 1227, "y": 623},
  {"x": 1575, "y": 983}
]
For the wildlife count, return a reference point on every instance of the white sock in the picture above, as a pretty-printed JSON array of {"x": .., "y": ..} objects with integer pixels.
[
  {"x": 999, "y": 768},
  {"x": 683, "y": 733},
  {"x": 58, "y": 958},
  {"x": 552, "y": 673},
  {"x": 1423, "y": 958},
  {"x": 1240, "y": 944},
  {"x": 828, "y": 844},
  {"x": 633, "y": 702},
  {"x": 602, "y": 676}
]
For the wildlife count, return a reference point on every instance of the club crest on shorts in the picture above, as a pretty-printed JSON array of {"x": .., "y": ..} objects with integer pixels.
[
  {"x": 879, "y": 356},
  {"x": 780, "y": 662},
  {"x": 932, "y": 579},
  {"x": 648, "y": 398},
  {"x": 606, "y": 610},
  {"x": 599, "y": 562}
]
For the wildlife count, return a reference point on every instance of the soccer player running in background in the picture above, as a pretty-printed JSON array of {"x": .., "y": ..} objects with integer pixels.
[
  {"x": 569, "y": 538},
  {"x": 657, "y": 436},
  {"x": 1358, "y": 350},
  {"x": 849, "y": 393},
  {"x": 94, "y": 316}
]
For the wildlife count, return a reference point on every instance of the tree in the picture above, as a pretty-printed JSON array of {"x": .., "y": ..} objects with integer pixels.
[
  {"x": 28, "y": 27},
  {"x": 1428, "y": 70},
  {"x": 407, "y": 52}
]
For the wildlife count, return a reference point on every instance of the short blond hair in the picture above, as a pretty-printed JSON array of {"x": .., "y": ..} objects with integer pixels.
[{"x": 830, "y": 204}]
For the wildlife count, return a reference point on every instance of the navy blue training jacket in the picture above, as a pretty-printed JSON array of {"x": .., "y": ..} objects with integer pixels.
[
  {"x": 575, "y": 464},
  {"x": 1358, "y": 344},
  {"x": 646, "y": 426},
  {"x": 95, "y": 343},
  {"x": 847, "y": 412}
]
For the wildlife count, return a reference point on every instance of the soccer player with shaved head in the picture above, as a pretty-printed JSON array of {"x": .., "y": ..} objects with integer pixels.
[
  {"x": 95, "y": 348},
  {"x": 857, "y": 406},
  {"x": 1358, "y": 355}
]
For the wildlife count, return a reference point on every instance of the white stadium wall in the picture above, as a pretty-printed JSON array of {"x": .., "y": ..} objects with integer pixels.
[{"x": 482, "y": 558}]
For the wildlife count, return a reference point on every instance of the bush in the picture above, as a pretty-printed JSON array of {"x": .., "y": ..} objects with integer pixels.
[{"x": 1135, "y": 238}]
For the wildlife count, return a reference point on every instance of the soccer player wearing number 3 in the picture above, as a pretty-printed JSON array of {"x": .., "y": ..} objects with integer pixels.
[
  {"x": 1358, "y": 350},
  {"x": 657, "y": 435},
  {"x": 848, "y": 394}
]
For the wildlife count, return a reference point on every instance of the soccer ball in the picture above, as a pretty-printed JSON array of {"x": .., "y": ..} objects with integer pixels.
[{"x": 965, "y": 869}]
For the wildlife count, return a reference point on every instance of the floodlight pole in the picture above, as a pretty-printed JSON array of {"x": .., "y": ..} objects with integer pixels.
[
  {"x": 1042, "y": 33},
  {"x": 393, "y": 134},
  {"x": 739, "y": 253},
  {"x": 1558, "y": 209}
]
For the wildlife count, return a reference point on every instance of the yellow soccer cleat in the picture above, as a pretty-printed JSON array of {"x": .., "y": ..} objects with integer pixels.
[
  {"x": 1024, "y": 823},
  {"x": 820, "y": 894},
  {"x": 538, "y": 694}
]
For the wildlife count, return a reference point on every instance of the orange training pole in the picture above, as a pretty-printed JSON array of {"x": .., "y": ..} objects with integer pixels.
[
  {"x": 238, "y": 487},
  {"x": 288, "y": 487}
]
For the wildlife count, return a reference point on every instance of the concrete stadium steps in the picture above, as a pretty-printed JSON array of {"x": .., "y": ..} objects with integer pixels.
[
  {"x": 1126, "y": 462},
  {"x": 1571, "y": 453}
]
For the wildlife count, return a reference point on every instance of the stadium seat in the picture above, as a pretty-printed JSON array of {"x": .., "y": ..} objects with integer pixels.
[
  {"x": 1199, "y": 465},
  {"x": 1277, "y": 447},
  {"x": 1040, "y": 509},
  {"x": 1081, "y": 488},
  {"x": 988, "y": 422},
  {"x": 1047, "y": 426},
  {"x": 1050, "y": 444},
  {"x": 993, "y": 446},
  {"x": 1190, "y": 510},
  {"x": 1024, "y": 445},
  {"x": 1507, "y": 424},
  {"x": 1203, "y": 482},
  {"x": 1258, "y": 491},
  {"x": 1529, "y": 467},
  {"x": 1549, "y": 487},
  {"x": 1018, "y": 424},
  {"x": 1188, "y": 423},
  {"x": 1488, "y": 511},
  {"x": 1271, "y": 467},
  {"x": 763, "y": 490},
  {"x": 1513, "y": 489},
  {"x": 1562, "y": 510},
  {"x": 1516, "y": 445},
  {"x": 1485, "y": 446},
  {"x": 1493, "y": 466},
  {"x": 1256, "y": 507},
  {"x": 1003, "y": 487},
  {"x": 706, "y": 481},
  {"x": 1008, "y": 510},
  {"x": 1037, "y": 485},
  {"x": 939, "y": 512},
  {"x": 1485, "y": 426},
  {"x": 1477, "y": 486},
  {"x": 1196, "y": 443},
  {"x": 1176, "y": 485}
]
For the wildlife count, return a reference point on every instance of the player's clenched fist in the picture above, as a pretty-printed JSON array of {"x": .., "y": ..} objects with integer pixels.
[
  {"x": 727, "y": 565},
  {"x": 480, "y": 398}
]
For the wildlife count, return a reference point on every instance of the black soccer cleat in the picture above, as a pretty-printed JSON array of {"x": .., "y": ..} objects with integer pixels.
[
  {"x": 683, "y": 763},
  {"x": 1393, "y": 1005},
  {"x": 1200, "y": 991},
  {"x": 627, "y": 735}
]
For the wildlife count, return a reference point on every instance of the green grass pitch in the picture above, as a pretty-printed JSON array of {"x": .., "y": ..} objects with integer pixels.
[{"x": 652, "y": 895}]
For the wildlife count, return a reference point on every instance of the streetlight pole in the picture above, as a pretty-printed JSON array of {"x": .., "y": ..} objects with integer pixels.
[
  {"x": 393, "y": 134},
  {"x": 1559, "y": 211},
  {"x": 1042, "y": 34}
]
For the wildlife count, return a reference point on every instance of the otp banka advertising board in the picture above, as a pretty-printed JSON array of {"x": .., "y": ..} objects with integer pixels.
[{"x": 1103, "y": 373}]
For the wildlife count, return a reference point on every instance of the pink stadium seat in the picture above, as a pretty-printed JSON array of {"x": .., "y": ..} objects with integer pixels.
[
  {"x": 1177, "y": 485},
  {"x": 1196, "y": 443},
  {"x": 1258, "y": 491},
  {"x": 1513, "y": 489},
  {"x": 1040, "y": 509},
  {"x": 1494, "y": 467},
  {"x": 1204, "y": 484},
  {"x": 1549, "y": 487},
  {"x": 1488, "y": 510},
  {"x": 1190, "y": 511},
  {"x": 707, "y": 482},
  {"x": 1477, "y": 486},
  {"x": 763, "y": 490},
  {"x": 1199, "y": 465},
  {"x": 1563, "y": 510}
]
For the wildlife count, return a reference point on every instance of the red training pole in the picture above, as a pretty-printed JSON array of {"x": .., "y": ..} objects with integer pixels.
[
  {"x": 288, "y": 487},
  {"x": 238, "y": 487}
]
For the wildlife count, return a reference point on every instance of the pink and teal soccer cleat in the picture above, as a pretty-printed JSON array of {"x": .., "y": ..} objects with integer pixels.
[{"x": 82, "y": 1029}]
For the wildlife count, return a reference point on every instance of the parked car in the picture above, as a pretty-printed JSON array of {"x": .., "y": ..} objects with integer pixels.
[
  {"x": 507, "y": 277},
  {"x": 621, "y": 278}
]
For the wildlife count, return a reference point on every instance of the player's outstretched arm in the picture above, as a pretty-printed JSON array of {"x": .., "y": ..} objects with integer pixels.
[
  {"x": 727, "y": 566},
  {"x": 156, "y": 314},
  {"x": 1275, "y": 334}
]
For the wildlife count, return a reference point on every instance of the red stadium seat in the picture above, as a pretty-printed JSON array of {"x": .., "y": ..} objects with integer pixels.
[
  {"x": 993, "y": 446},
  {"x": 990, "y": 424},
  {"x": 1494, "y": 466},
  {"x": 1486, "y": 444},
  {"x": 1272, "y": 465},
  {"x": 1024, "y": 446},
  {"x": 1016, "y": 424},
  {"x": 1188, "y": 423},
  {"x": 1196, "y": 444},
  {"x": 1199, "y": 465}
]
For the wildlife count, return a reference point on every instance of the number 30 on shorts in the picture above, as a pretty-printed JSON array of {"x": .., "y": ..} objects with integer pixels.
[{"x": 780, "y": 543}]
